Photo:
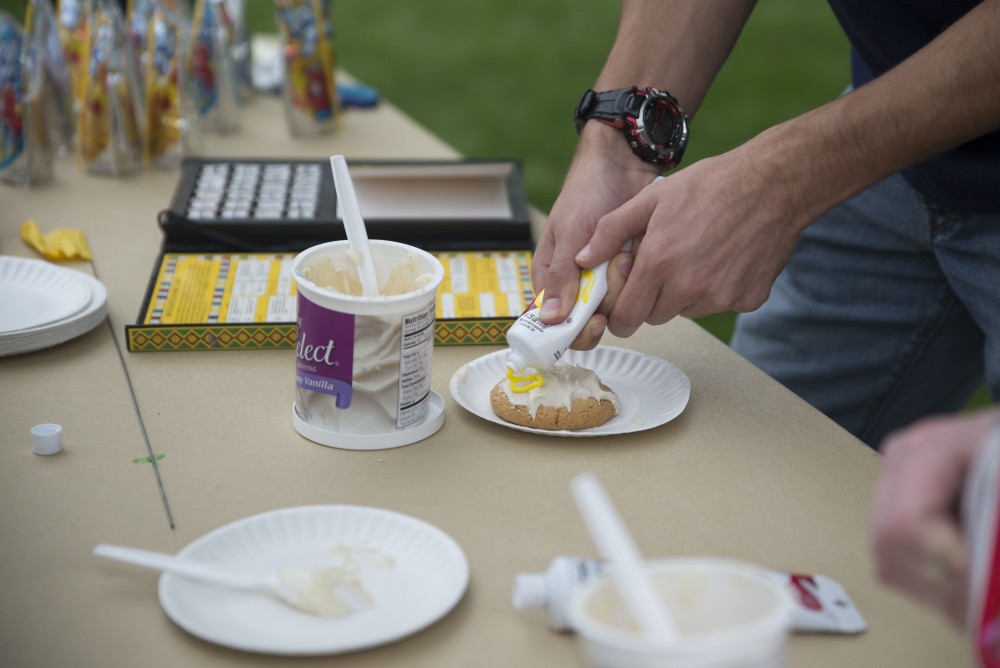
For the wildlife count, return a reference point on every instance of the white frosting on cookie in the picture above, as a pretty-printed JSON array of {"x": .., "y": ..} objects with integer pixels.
[{"x": 563, "y": 384}]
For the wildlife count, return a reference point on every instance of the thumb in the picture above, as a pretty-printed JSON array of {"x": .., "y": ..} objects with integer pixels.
[{"x": 615, "y": 228}]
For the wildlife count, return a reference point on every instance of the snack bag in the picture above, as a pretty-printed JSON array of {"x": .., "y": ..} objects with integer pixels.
[
  {"x": 981, "y": 516},
  {"x": 110, "y": 128},
  {"x": 308, "y": 88},
  {"x": 239, "y": 46},
  {"x": 42, "y": 32},
  {"x": 210, "y": 67},
  {"x": 137, "y": 18},
  {"x": 179, "y": 8},
  {"x": 25, "y": 150},
  {"x": 171, "y": 123},
  {"x": 74, "y": 32}
]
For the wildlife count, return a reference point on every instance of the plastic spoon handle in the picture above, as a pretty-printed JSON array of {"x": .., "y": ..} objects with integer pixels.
[
  {"x": 172, "y": 564},
  {"x": 354, "y": 224},
  {"x": 628, "y": 570}
]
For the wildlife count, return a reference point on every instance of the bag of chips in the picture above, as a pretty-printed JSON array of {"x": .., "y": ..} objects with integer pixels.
[
  {"x": 42, "y": 31},
  {"x": 210, "y": 67},
  {"x": 172, "y": 129},
  {"x": 308, "y": 88},
  {"x": 239, "y": 45},
  {"x": 137, "y": 18},
  {"x": 110, "y": 127},
  {"x": 74, "y": 32},
  {"x": 25, "y": 149}
]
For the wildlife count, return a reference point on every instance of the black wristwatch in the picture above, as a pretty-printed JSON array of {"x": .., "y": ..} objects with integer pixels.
[{"x": 653, "y": 122}]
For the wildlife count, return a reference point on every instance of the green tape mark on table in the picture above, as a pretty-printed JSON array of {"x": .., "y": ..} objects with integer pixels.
[{"x": 148, "y": 460}]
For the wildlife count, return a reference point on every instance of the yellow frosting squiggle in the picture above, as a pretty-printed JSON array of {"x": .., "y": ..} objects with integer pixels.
[{"x": 524, "y": 383}]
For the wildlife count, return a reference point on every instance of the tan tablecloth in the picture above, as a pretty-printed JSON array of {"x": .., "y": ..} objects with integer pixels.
[{"x": 748, "y": 471}]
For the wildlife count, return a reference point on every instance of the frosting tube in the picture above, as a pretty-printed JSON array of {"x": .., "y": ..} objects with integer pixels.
[{"x": 537, "y": 345}]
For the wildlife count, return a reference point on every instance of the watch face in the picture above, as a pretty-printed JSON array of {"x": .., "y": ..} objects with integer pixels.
[{"x": 660, "y": 122}]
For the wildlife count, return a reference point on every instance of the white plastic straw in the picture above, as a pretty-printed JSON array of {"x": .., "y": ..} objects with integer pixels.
[
  {"x": 628, "y": 570},
  {"x": 354, "y": 224}
]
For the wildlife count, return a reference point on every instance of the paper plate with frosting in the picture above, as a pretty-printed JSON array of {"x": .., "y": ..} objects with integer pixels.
[{"x": 650, "y": 391}]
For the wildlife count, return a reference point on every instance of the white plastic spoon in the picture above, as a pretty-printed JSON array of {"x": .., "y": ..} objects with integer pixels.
[
  {"x": 628, "y": 569},
  {"x": 296, "y": 586},
  {"x": 354, "y": 224}
]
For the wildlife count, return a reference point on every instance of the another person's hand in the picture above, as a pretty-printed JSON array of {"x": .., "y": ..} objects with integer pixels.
[
  {"x": 716, "y": 235},
  {"x": 916, "y": 531},
  {"x": 604, "y": 175}
]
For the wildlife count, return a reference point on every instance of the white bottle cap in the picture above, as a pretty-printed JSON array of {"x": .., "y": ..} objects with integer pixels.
[
  {"x": 530, "y": 592},
  {"x": 46, "y": 439}
]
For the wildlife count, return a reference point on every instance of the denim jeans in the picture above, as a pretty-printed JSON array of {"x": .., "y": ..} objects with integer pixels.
[{"x": 888, "y": 310}]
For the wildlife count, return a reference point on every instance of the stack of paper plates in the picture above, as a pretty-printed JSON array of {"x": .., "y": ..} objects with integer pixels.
[{"x": 42, "y": 305}]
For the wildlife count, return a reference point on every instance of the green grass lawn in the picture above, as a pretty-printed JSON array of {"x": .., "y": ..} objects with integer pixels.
[{"x": 501, "y": 79}]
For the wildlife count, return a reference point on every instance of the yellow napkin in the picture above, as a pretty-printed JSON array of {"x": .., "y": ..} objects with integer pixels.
[{"x": 61, "y": 244}]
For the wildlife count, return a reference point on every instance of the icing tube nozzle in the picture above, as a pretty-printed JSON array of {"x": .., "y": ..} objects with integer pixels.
[{"x": 516, "y": 361}]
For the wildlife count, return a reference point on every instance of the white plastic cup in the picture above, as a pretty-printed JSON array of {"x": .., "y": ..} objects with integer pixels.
[
  {"x": 363, "y": 364},
  {"x": 727, "y": 616}
]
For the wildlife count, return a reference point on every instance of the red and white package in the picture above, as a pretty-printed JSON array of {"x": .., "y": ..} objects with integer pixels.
[
  {"x": 981, "y": 514},
  {"x": 821, "y": 604}
]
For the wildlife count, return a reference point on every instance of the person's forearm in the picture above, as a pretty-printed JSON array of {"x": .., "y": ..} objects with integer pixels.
[
  {"x": 942, "y": 96},
  {"x": 675, "y": 46}
]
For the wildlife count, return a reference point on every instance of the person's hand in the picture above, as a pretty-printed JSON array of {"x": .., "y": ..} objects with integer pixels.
[
  {"x": 716, "y": 235},
  {"x": 916, "y": 531},
  {"x": 604, "y": 174}
]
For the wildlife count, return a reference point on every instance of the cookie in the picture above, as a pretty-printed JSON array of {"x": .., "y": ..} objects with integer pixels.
[{"x": 583, "y": 412}]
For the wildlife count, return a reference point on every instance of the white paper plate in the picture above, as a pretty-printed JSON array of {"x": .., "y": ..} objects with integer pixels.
[
  {"x": 428, "y": 575},
  {"x": 36, "y": 293},
  {"x": 651, "y": 391},
  {"x": 54, "y": 333}
]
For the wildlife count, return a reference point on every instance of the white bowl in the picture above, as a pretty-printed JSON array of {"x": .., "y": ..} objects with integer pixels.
[{"x": 726, "y": 613}]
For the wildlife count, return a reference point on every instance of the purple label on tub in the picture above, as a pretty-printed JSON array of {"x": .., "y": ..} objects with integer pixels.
[{"x": 324, "y": 351}]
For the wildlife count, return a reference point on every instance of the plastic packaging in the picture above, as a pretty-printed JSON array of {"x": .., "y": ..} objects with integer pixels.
[
  {"x": 25, "y": 149},
  {"x": 239, "y": 49},
  {"x": 535, "y": 345},
  {"x": 42, "y": 30},
  {"x": 171, "y": 122},
  {"x": 74, "y": 19},
  {"x": 137, "y": 18},
  {"x": 211, "y": 69},
  {"x": 308, "y": 86},
  {"x": 110, "y": 126},
  {"x": 821, "y": 605}
]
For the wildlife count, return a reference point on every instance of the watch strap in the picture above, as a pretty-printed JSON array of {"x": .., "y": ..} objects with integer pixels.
[{"x": 607, "y": 107}]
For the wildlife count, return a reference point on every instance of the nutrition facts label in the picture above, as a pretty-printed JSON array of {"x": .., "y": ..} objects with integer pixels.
[{"x": 416, "y": 348}]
